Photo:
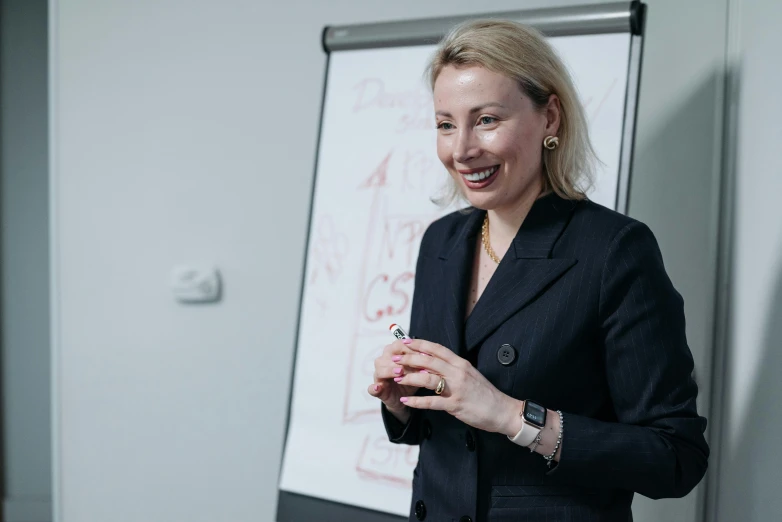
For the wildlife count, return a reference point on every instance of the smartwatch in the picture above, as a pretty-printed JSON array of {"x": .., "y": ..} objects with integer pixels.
[{"x": 533, "y": 419}]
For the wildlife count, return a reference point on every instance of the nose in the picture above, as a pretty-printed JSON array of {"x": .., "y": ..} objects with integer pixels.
[{"x": 467, "y": 147}]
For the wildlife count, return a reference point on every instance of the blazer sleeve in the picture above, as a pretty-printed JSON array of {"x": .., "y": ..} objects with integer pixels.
[
  {"x": 409, "y": 433},
  {"x": 657, "y": 446}
]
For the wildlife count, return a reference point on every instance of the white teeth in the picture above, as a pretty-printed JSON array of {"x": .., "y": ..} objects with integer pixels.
[{"x": 479, "y": 176}]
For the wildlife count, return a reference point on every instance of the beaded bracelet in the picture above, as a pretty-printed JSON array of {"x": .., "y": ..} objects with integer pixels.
[
  {"x": 536, "y": 442},
  {"x": 550, "y": 458}
]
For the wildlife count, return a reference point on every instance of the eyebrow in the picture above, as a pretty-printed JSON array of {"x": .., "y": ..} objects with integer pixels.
[{"x": 479, "y": 108}]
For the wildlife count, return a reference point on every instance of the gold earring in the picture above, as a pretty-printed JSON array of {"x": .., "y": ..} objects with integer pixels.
[{"x": 551, "y": 142}]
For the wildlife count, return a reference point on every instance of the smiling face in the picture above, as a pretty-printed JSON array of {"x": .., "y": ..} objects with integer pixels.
[{"x": 490, "y": 136}]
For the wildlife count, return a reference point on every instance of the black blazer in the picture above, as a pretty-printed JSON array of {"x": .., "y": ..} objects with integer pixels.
[{"x": 597, "y": 331}]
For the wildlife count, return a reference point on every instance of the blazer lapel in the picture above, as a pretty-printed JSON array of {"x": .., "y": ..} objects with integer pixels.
[
  {"x": 525, "y": 271},
  {"x": 449, "y": 305}
]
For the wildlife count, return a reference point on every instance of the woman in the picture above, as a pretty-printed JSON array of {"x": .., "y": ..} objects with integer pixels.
[{"x": 541, "y": 320}]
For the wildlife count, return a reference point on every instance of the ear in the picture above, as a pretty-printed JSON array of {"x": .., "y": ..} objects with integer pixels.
[{"x": 552, "y": 112}]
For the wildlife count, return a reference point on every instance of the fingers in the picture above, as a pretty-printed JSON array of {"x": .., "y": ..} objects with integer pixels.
[
  {"x": 388, "y": 393},
  {"x": 383, "y": 392},
  {"x": 420, "y": 361},
  {"x": 408, "y": 356},
  {"x": 378, "y": 391},
  {"x": 397, "y": 347},
  {"x": 432, "y": 402},
  {"x": 420, "y": 379},
  {"x": 387, "y": 369},
  {"x": 415, "y": 363},
  {"x": 434, "y": 349},
  {"x": 385, "y": 366},
  {"x": 374, "y": 389}
]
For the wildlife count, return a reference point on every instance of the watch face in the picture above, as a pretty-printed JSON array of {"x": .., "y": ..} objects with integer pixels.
[{"x": 534, "y": 414}]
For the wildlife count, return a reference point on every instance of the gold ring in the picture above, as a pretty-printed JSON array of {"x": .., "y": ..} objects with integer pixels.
[{"x": 440, "y": 386}]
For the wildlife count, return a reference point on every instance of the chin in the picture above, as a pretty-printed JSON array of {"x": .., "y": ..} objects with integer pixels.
[
  {"x": 488, "y": 198},
  {"x": 480, "y": 201}
]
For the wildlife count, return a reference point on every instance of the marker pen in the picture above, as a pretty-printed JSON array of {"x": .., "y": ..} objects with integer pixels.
[{"x": 398, "y": 332}]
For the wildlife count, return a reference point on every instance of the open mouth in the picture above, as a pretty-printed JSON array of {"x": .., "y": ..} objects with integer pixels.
[{"x": 480, "y": 178}]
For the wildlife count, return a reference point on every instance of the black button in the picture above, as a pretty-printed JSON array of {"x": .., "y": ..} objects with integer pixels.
[
  {"x": 420, "y": 510},
  {"x": 506, "y": 354},
  {"x": 470, "y": 440},
  {"x": 427, "y": 429},
  {"x": 465, "y": 518}
]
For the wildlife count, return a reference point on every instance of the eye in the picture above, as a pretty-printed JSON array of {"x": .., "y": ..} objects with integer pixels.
[
  {"x": 445, "y": 126},
  {"x": 488, "y": 120}
]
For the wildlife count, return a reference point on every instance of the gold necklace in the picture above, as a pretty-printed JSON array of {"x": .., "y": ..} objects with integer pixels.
[{"x": 485, "y": 240}]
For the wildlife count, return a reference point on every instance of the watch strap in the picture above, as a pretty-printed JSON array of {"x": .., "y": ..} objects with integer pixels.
[{"x": 526, "y": 435}]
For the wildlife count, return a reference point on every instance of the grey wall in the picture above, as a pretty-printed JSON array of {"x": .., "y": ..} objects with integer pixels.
[
  {"x": 750, "y": 463},
  {"x": 676, "y": 178},
  {"x": 186, "y": 131},
  {"x": 24, "y": 268}
]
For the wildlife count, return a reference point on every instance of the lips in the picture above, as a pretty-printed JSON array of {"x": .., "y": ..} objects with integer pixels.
[{"x": 479, "y": 178}]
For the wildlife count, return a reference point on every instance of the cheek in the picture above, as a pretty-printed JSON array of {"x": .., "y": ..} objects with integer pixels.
[
  {"x": 444, "y": 150},
  {"x": 512, "y": 145},
  {"x": 506, "y": 145}
]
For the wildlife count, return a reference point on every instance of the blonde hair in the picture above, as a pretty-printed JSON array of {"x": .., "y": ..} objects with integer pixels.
[{"x": 523, "y": 54}]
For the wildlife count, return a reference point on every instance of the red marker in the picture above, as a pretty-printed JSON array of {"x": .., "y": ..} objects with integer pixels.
[{"x": 398, "y": 332}]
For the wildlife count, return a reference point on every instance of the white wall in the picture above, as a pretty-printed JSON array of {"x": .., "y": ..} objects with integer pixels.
[
  {"x": 186, "y": 131},
  {"x": 24, "y": 251},
  {"x": 750, "y": 461}
]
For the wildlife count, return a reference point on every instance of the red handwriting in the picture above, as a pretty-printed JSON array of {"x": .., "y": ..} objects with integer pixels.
[
  {"x": 384, "y": 299},
  {"x": 418, "y": 171},
  {"x": 417, "y": 122},
  {"x": 383, "y": 453},
  {"x": 386, "y": 272},
  {"x": 329, "y": 249},
  {"x": 379, "y": 176},
  {"x": 381, "y": 461},
  {"x": 401, "y": 234},
  {"x": 371, "y": 93}
]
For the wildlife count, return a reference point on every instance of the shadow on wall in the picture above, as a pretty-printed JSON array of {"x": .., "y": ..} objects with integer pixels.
[
  {"x": 755, "y": 465},
  {"x": 674, "y": 187}
]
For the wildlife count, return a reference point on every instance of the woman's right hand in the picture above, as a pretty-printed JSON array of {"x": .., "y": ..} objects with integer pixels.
[{"x": 384, "y": 387}]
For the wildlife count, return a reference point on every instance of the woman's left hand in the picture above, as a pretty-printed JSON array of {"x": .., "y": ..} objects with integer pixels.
[{"x": 468, "y": 395}]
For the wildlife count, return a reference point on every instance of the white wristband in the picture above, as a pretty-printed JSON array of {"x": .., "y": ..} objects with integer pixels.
[{"x": 526, "y": 435}]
